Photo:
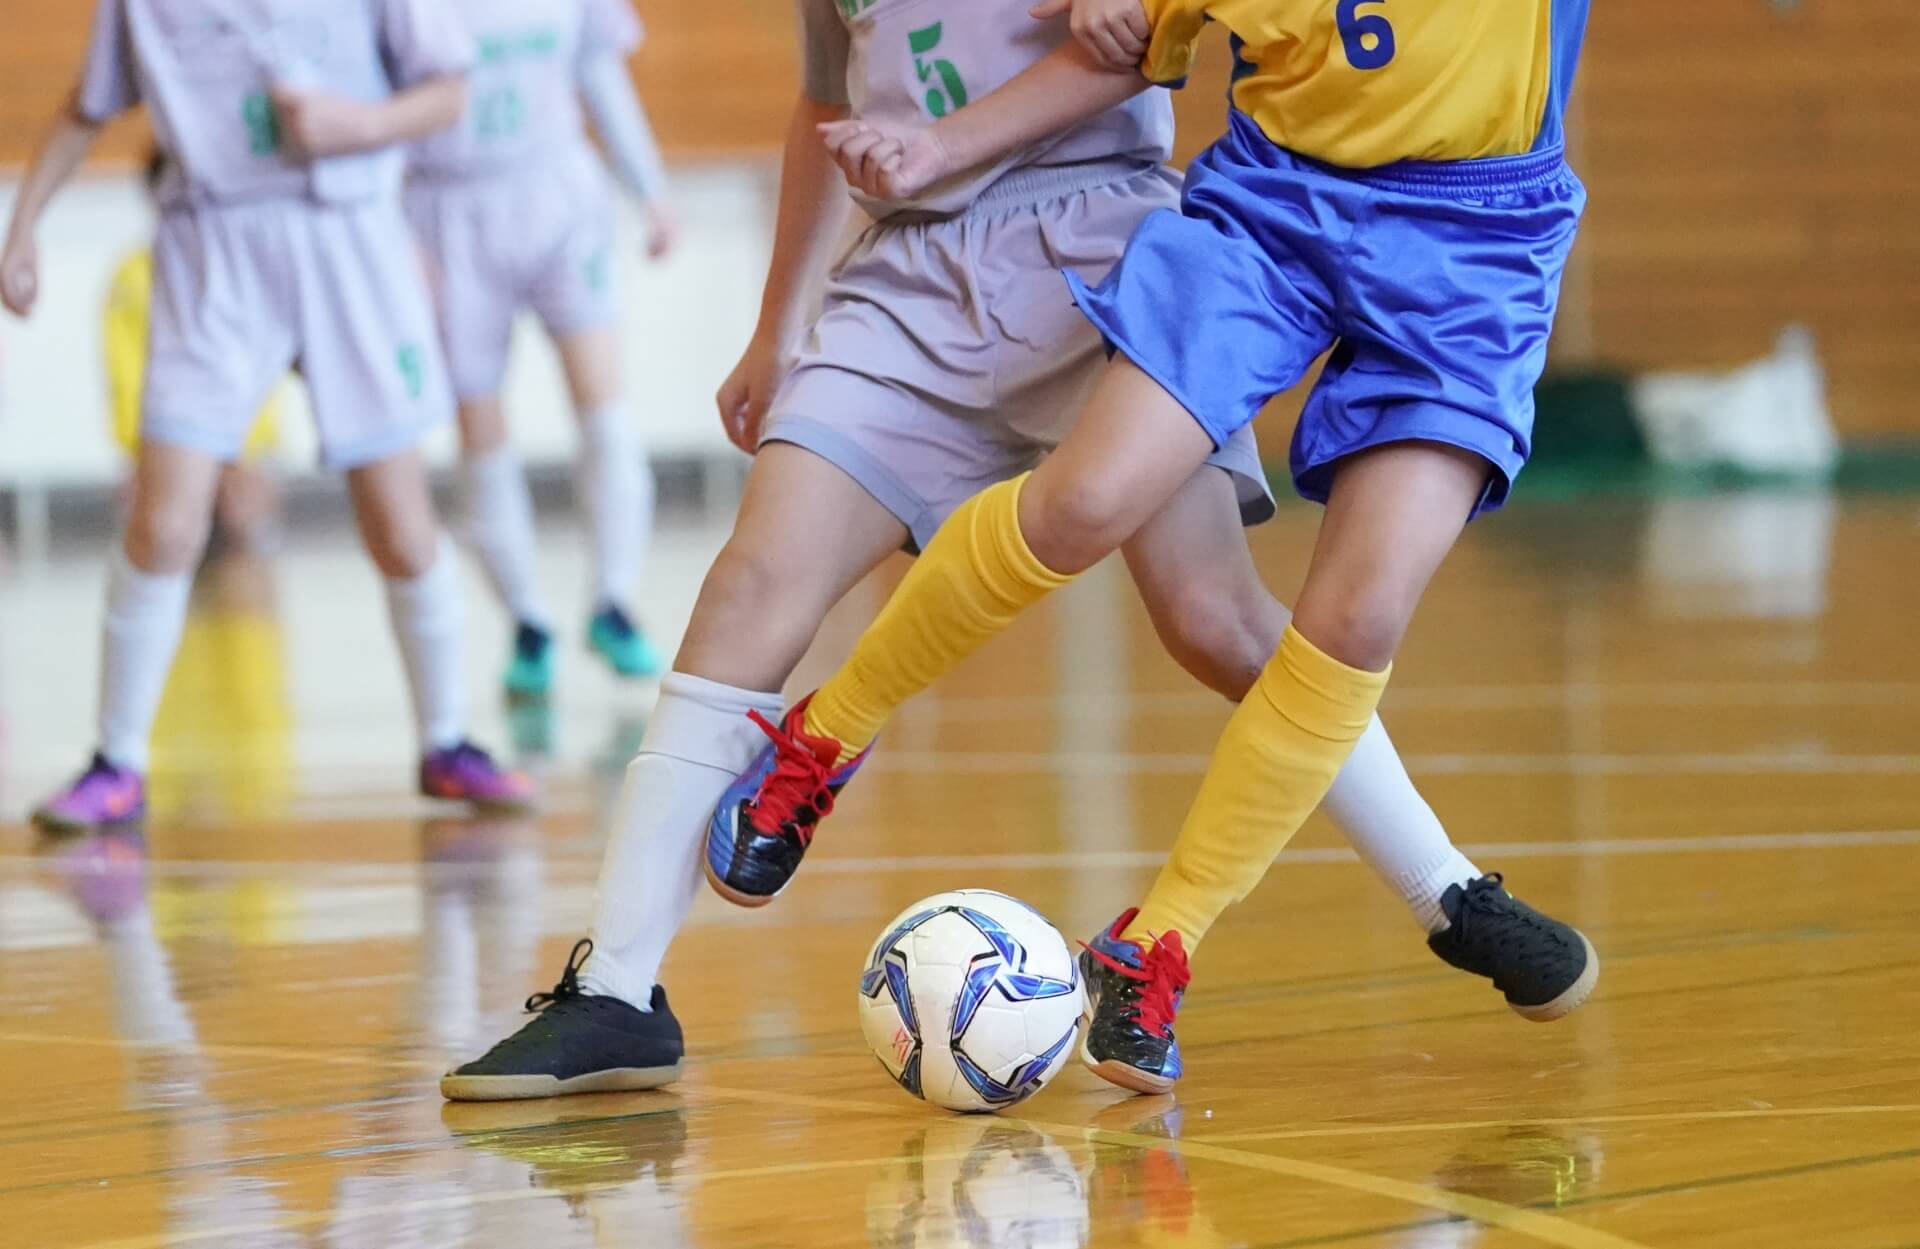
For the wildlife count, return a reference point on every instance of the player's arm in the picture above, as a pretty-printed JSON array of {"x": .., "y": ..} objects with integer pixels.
[
  {"x": 811, "y": 216},
  {"x": 63, "y": 147},
  {"x": 896, "y": 160},
  {"x": 621, "y": 122},
  {"x": 317, "y": 124}
]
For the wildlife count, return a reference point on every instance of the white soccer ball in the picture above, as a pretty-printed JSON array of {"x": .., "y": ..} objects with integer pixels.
[{"x": 971, "y": 1000}]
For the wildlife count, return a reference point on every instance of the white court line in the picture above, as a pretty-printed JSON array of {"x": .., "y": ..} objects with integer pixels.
[{"x": 314, "y": 871}]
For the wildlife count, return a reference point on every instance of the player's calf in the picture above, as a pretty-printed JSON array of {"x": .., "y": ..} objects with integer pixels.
[{"x": 766, "y": 819}]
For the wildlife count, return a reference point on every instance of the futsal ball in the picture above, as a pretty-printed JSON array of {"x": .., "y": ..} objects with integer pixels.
[{"x": 971, "y": 1000}]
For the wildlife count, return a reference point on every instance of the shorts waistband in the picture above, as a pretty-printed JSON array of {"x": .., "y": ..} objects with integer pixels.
[
  {"x": 1492, "y": 174},
  {"x": 1032, "y": 184}
]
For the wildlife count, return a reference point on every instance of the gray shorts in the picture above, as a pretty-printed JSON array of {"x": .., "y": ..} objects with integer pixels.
[
  {"x": 243, "y": 292},
  {"x": 949, "y": 356},
  {"x": 539, "y": 239}
]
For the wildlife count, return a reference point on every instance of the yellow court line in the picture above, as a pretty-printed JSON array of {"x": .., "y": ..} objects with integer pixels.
[{"x": 1579, "y": 1121}]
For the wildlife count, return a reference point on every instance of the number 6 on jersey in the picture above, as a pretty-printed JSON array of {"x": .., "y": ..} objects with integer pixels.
[{"x": 1367, "y": 37}]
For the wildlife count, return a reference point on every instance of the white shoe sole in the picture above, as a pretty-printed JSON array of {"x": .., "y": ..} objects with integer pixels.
[
  {"x": 1576, "y": 994},
  {"x": 458, "y": 1088}
]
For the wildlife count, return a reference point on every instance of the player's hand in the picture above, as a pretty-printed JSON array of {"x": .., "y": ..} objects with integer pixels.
[
  {"x": 20, "y": 276},
  {"x": 1115, "y": 32},
  {"x": 662, "y": 230},
  {"x": 745, "y": 395},
  {"x": 887, "y": 159},
  {"x": 317, "y": 124}
]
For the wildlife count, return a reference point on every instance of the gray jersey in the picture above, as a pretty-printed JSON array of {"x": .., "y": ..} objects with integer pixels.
[
  {"x": 204, "y": 68},
  {"x": 523, "y": 101},
  {"x": 921, "y": 59}
]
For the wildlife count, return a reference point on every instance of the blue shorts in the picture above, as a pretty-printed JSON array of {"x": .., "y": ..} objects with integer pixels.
[{"x": 1434, "y": 283}]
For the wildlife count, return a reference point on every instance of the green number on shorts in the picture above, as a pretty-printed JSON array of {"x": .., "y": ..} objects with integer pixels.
[
  {"x": 500, "y": 114},
  {"x": 939, "y": 102},
  {"x": 263, "y": 125},
  {"x": 412, "y": 369},
  {"x": 599, "y": 270}
]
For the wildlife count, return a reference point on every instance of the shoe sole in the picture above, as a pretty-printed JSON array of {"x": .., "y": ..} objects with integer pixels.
[
  {"x": 1573, "y": 998},
  {"x": 1112, "y": 1070},
  {"x": 60, "y": 826},
  {"x": 457, "y": 1088},
  {"x": 752, "y": 901}
]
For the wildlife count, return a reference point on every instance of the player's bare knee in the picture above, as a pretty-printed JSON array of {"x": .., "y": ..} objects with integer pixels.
[
  {"x": 166, "y": 537},
  {"x": 1071, "y": 526},
  {"x": 403, "y": 552},
  {"x": 1361, "y": 627},
  {"x": 1221, "y": 634},
  {"x": 746, "y": 576}
]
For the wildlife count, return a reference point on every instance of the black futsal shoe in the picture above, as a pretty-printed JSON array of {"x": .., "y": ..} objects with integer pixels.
[
  {"x": 1545, "y": 968},
  {"x": 577, "y": 1042}
]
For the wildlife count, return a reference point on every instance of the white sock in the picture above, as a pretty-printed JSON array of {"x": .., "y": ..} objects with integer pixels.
[
  {"x": 698, "y": 740},
  {"x": 427, "y": 624},
  {"x": 500, "y": 522},
  {"x": 145, "y": 614},
  {"x": 1394, "y": 830},
  {"x": 616, "y": 486}
]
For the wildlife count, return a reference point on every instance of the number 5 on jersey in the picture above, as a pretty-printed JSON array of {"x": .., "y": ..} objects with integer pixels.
[
  {"x": 939, "y": 102},
  {"x": 1367, "y": 37}
]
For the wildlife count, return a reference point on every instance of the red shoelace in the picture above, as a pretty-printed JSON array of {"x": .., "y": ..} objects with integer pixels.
[
  {"x": 799, "y": 779},
  {"x": 1162, "y": 974}
]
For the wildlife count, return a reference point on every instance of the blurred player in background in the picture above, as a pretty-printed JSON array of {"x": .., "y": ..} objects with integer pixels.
[
  {"x": 513, "y": 209},
  {"x": 247, "y": 502},
  {"x": 281, "y": 240},
  {"x": 948, "y": 356}
]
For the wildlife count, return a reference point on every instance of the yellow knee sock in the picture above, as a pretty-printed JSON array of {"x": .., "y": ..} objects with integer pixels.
[
  {"x": 1276, "y": 761},
  {"x": 974, "y": 578}
]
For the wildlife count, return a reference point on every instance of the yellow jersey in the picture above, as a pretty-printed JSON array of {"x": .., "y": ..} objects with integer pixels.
[
  {"x": 124, "y": 331},
  {"x": 1364, "y": 83}
]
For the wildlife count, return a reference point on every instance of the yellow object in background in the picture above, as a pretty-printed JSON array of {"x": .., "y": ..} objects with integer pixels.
[{"x": 125, "y": 325}]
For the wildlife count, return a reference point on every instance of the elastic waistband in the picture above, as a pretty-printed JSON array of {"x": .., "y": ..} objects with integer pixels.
[
  {"x": 505, "y": 173},
  {"x": 1032, "y": 184},
  {"x": 1492, "y": 174}
]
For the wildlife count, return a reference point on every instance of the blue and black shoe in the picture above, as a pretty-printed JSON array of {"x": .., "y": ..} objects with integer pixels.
[
  {"x": 577, "y": 1042},
  {"x": 766, "y": 819},
  {"x": 620, "y": 642},
  {"x": 1133, "y": 994},
  {"x": 530, "y": 667}
]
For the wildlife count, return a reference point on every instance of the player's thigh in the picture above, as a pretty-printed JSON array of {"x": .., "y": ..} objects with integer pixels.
[
  {"x": 483, "y": 424},
  {"x": 1131, "y": 450},
  {"x": 1393, "y": 514}
]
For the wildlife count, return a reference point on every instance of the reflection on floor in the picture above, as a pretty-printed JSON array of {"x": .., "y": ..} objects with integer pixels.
[{"x": 1693, "y": 725}]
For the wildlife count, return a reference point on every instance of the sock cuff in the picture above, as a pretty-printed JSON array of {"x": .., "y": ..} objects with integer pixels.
[
  {"x": 1317, "y": 692},
  {"x": 148, "y": 586},
  {"x": 998, "y": 521},
  {"x": 705, "y": 722},
  {"x": 604, "y": 423}
]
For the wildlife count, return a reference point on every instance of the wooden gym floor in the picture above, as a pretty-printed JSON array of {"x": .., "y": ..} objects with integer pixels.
[{"x": 1688, "y": 724}]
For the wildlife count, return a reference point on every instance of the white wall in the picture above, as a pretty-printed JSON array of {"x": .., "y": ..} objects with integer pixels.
[{"x": 686, "y": 321}]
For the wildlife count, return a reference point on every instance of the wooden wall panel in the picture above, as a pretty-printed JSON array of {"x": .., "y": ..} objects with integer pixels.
[{"x": 1751, "y": 163}]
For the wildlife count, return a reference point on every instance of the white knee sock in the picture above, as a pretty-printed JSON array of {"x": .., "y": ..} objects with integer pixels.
[
  {"x": 145, "y": 613},
  {"x": 1394, "y": 830},
  {"x": 615, "y": 482},
  {"x": 500, "y": 521},
  {"x": 698, "y": 740},
  {"x": 426, "y": 622}
]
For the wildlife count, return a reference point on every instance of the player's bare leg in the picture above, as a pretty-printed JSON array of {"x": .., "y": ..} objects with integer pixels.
[
  {"x": 614, "y": 484},
  {"x": 147, "y": 589},
  {"x": 398, "y": 526}
]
